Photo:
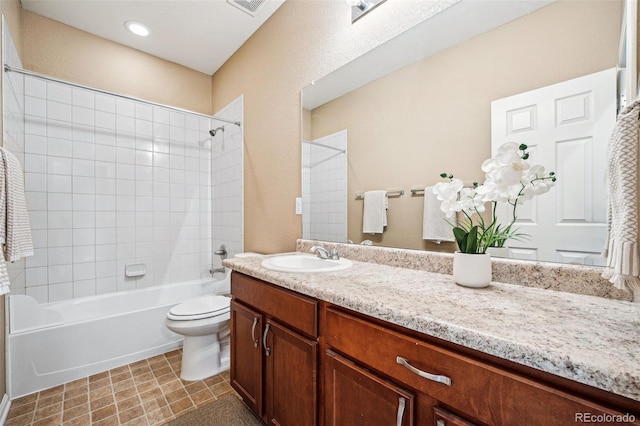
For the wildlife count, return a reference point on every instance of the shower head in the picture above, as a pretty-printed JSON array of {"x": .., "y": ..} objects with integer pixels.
[{"x": 214, "y": 131}]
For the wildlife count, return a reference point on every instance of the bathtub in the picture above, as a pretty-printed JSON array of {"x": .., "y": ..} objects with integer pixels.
[{"x": 55, "y": 343}]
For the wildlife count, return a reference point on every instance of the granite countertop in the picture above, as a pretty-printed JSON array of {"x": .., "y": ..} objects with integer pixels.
[{"x": 591, "y": 340}]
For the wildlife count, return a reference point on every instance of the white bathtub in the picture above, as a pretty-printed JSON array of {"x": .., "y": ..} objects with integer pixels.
[{"x": 55, "y": 343}]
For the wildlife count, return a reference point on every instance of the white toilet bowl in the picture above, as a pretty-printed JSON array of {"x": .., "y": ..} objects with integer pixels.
[{"x": 204, "y": 323}]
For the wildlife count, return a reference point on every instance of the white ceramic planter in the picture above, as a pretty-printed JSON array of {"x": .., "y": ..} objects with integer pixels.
[{"x": 472, "y": 270}]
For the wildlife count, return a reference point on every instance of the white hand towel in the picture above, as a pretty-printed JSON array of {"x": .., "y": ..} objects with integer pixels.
[
  {"x": 622, "y": 251},
  {"x": 434, "y": 221},
  {"x": 374, "y": 217}
]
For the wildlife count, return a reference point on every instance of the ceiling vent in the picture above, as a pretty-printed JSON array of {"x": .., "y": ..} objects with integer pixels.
[{"x": 247, "y": 6}]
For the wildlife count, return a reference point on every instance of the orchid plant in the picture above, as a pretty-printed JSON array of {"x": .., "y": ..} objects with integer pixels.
[{"x": 509, "y": 178}]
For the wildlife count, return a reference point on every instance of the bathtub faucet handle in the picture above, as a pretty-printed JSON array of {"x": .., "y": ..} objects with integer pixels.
[{"x": 222, "y": 252}]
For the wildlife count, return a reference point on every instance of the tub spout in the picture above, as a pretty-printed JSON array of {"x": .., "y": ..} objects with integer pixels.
[{"x": 214, "y": 270}]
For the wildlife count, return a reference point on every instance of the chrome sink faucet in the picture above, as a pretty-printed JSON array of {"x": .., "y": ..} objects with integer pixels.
[{"x": 323, "y": 253}]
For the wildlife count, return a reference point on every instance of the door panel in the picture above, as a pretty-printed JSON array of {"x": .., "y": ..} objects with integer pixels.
[
  {"x": 246, "y": 355},
  {"x": 567, "y": 127},
  {"x": 291, "y": 377},
  {"x": 357, "y": 397}
]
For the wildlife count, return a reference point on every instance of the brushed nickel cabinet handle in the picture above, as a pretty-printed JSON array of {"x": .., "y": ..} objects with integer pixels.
[
  {"x": 401, "y": 403},
  {"x": 264, "y": 340},
  {"x": 436, "y": 378},
  {"x": 440, "y": 422},
  {"x": 256, "y": 342}
]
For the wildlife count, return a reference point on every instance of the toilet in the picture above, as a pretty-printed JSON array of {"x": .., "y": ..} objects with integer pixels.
[{"x": 204, "y": 323}]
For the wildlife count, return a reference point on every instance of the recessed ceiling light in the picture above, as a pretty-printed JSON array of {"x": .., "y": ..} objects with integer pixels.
[{"x": 137, "y": 28}]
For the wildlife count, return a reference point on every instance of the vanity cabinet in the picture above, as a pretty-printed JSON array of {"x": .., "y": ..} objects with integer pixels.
[
  {"x": 296, "y": 361},
  {"x": 460, "y": 390},
  {"x": 274, "y": 351}
]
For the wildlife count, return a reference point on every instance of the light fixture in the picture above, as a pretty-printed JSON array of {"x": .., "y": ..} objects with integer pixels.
[
  {"x": 137, "y": 28},
  {"x": 360, "y": 7}
]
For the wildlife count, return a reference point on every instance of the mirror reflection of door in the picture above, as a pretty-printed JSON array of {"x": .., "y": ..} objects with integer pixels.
[
  {"x": 324, "y": 188},
  {"x": 567, "y": 127}
]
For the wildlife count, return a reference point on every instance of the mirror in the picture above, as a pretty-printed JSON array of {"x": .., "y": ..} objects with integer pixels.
[{"x": 380, "y": 124}]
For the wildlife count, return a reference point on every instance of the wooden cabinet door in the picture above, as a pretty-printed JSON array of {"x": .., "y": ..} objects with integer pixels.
[
  {"x": 354, "y": 396},
  {"x": 246, "y": 355},
  {"x": 291, "y": 377},
  {"x": 444, "y": 418}
]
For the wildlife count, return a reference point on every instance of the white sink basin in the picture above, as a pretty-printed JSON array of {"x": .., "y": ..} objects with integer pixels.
[{"x": 302, "y": 263}]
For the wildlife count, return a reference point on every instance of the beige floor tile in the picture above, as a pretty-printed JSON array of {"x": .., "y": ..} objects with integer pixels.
[{"x": 145, "y": 393}]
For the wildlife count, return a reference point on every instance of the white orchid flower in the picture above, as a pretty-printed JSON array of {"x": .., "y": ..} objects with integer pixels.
[{"x": 448, "y": 190}]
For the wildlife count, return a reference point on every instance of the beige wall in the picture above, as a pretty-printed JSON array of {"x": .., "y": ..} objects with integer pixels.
[
  {"x": 434, "y": 116},
  {"x": 59, "y": 50},
  {"x": 302, "y": 41}
]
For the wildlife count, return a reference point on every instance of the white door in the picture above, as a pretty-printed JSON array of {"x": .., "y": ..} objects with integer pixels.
[{"x": 567, "y": 128}]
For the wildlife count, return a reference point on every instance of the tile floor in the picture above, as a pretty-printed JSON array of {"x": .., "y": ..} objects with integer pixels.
[{"x": 145, "y": 393}]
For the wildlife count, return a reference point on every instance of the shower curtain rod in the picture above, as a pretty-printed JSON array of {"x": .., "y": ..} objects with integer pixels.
[
  {"x": 323, "y": 145},
  {"x": 8, "y": 68}
]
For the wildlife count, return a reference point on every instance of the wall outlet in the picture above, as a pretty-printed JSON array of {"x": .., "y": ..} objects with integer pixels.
[{"x": 299, "y": 205}]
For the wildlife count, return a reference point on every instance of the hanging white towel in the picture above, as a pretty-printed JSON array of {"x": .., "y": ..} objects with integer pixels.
[
  {"x": 15, "y": 231},
  {"x": 434, "y": 222},
  {"x": 623, "y": 260},
  {"x": 374, "y": 217}
]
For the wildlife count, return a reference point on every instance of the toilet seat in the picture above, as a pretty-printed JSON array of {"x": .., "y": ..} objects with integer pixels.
[{"x": 200, "y": 308}]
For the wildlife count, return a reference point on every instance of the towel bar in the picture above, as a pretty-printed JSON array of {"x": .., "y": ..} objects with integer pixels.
[{"x": 397, "y": 193}]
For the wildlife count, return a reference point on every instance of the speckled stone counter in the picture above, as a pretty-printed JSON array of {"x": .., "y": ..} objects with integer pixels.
[
  {"x": 588, "y": 339},
  {"x": 577, "y": 279}
]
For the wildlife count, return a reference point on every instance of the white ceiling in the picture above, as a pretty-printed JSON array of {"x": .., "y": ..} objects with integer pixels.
[{"x": 198, "y": 34}]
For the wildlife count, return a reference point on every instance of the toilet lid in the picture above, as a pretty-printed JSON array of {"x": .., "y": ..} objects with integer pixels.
[{"x": 205, "y": 306}]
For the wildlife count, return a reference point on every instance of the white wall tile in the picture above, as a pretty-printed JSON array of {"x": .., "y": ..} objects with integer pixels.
[
  {"x": 105, "y": 103},
  {"x": 35, "y": 163},
  {"x": 106, "y": 252},
  {"x": 60, "y": 274},
  {"x": 59, "y": 92},
  {"x": 35, "y": 106},
  {"x": 84, "y": 288},
  {"x": 61, "y": 291},
  {"x": 85, "y": 116},
  {"x": 59, "y": 148},
  {"x": 58, "y": 111},
  {"x": 83, "y": 98},
  {"x": 125, "y": 107},
  {"x": 106, "y": 285},
  {"x": 35, "y": 87},
  {"x": 60, "y": 255},
  {"x": 59, "y": 219},
  {"x": 36, "y": 200},
  {"x": 59, "y": 237},
  {"x": 83, "y": 167},
  {"x": 83, "y": 150},
  {"x": 105, "y": 120},
  {"x": 35, "y": 182}
]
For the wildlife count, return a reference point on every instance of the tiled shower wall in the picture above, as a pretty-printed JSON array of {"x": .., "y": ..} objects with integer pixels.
[
  {"x": 110, "y": 182},
  {"x": 227, "y": 189},
  {"x": 325, "y": 189}
]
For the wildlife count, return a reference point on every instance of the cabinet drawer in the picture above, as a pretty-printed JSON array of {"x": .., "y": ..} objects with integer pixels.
[
  {"x": 295, "y": 310},
  {"x": 475, "y": 389}
]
